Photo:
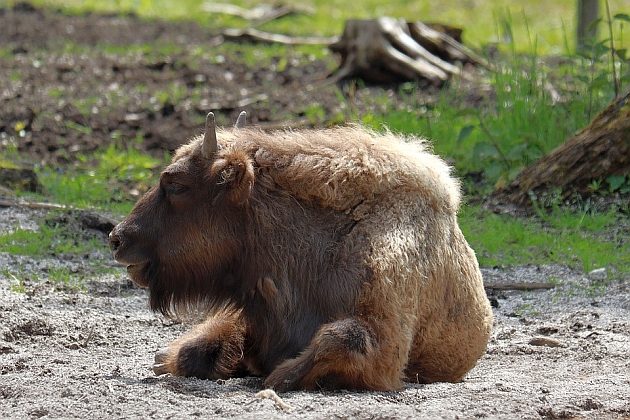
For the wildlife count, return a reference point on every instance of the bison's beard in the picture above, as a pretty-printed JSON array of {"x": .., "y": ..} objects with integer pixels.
[{"x": 181, "y": 289}]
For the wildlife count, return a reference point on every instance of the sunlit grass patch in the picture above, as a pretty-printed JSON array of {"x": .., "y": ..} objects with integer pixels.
[
  {"x": 519, "y": 122},
  {"x": 50, "y": 239},
  {"x": 552, "y": 24},
  {"x": 111, "y": 179},
  {"x": 568, "y": 238}
]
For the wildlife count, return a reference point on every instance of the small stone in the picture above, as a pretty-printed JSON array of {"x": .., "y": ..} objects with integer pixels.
[
  {"x": 598, "y": 274},
  {"x": 545, "y": 341},
  {"x": 6, "y": 349},
  {"x": 547, "y": 330}
]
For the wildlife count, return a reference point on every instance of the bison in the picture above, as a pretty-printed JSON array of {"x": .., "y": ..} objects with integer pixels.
[{"x": 320, "y": 258}]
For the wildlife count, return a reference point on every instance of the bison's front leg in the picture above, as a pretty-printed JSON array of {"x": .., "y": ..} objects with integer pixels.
[
  {"x": 212, "y": 350},
  {"x": 350, "y": 353}
]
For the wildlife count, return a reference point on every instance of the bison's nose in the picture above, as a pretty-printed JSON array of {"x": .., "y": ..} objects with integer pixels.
[{"x": 114, "y": 241}]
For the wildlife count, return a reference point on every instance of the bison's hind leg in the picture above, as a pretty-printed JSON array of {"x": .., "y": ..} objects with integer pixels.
[
  {"x": 350, "y": 353},
  {"x": 212, "y": 350}
]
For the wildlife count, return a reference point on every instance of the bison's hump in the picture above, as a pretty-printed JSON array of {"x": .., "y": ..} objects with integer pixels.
[{"x": 341, "y": 167}]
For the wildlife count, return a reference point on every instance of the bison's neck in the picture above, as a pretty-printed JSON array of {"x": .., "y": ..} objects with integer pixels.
[{"x": 299, "y": 272}]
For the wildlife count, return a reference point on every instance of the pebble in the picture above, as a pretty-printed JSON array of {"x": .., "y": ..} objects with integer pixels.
[
  {"x": 598, "y": 274},
  {"x": 545, "y": 341}
]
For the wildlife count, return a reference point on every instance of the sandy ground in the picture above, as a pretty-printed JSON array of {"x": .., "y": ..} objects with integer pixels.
[{"x": 67, "y": 353}]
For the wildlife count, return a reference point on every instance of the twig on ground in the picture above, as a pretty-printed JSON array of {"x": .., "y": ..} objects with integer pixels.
[
  {"x": 33, "y": 205},
  {"x": 271, "y": 395},
  {"x": 89, "y": 336}
]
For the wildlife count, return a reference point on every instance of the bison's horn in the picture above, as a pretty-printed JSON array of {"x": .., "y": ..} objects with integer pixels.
[
  {"x": 209, "y": 146},
  {"x": 241, "y": 120}
]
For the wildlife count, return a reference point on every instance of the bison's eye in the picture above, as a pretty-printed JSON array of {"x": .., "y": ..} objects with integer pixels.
[{"x": 173, "y": 188}]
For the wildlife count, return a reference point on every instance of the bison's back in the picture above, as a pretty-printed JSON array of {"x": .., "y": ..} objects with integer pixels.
[{"x": 341, "y": 167}]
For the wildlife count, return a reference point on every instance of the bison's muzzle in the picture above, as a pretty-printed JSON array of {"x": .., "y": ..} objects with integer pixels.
[{"x": 137, "y": 265}]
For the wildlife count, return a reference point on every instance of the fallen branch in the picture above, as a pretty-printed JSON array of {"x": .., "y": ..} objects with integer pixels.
[
  {"x": 87, "y": 218},
  {"x": 255, "y": 35},
  {"x": 33, "y": 205},
  {"x": 545, "y": 342},
  {"x": 520, "y": 286},
  {"x": 260, "y": 14},
  {"x": 595, "y": 154}
]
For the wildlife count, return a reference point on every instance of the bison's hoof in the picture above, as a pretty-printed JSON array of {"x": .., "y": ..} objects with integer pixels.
[
  {"x": 159, "y": 365},
  {"x": 280, "y": 384},
  {"x": 160, "y": 369},
  {"x": 286, "y": 377}
]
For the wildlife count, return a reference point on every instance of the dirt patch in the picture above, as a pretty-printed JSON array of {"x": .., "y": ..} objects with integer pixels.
[
  {"x": 89, "y": 80},
  {"x": 74, "y": 354}
]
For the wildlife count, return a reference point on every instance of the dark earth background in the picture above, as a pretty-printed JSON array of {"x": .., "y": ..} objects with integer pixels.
[
  {"x": 119, "y": 90},
  {"x": 69, "y": 352}
]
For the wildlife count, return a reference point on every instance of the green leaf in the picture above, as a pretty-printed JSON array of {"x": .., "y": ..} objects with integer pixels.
[
  {"x": 493, "y": 171},
  {"x": 514, "y": 172},
  {"x": 483, "y": 151},
  {"x": 615, "y": 182},
  {"x": 464, "y": 133},
  {"x": 622, "y": 16},
  {"x": 600, "y": 48},
  {"x": 518, "y": 152},
  {"x": 621, "y": 53}
]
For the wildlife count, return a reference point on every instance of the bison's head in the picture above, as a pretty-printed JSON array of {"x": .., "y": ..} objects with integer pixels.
[{"x": 183, "y": 238}]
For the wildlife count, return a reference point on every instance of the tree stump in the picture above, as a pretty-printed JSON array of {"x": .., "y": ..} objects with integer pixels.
[
  {"x": 597, "y": 152},
  {"x": 388, "y": 50}
]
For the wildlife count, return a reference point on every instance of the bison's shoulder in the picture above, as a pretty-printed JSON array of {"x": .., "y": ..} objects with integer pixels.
[{"x": 341, "y": 167}]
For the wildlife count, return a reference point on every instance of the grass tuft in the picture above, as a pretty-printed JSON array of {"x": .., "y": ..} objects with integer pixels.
[
  {"x": 103, "y": 180},
  {"x": 51, "y": 239},
  {"x": 571, "y": 238}
]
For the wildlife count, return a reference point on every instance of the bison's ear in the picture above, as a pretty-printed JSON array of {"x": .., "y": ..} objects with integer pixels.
[{"x": 236, "y": 171}]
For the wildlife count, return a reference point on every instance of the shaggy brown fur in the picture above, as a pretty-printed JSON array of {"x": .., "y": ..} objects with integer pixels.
[{"x": 325, "y": 258}]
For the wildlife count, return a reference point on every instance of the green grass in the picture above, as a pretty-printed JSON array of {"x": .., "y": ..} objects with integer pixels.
[
  {"x": 50, "y": 239},
  {"x": 520, "y": 123},
  {"x": 53, "y": 238},
  {"x": 574, "y": 239},
  {"x": 491, "y": 21},
  {"x": 102, "y": 180},
  {"x": 64, "y": 278},
  {"x": 16, "y": 279}
]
